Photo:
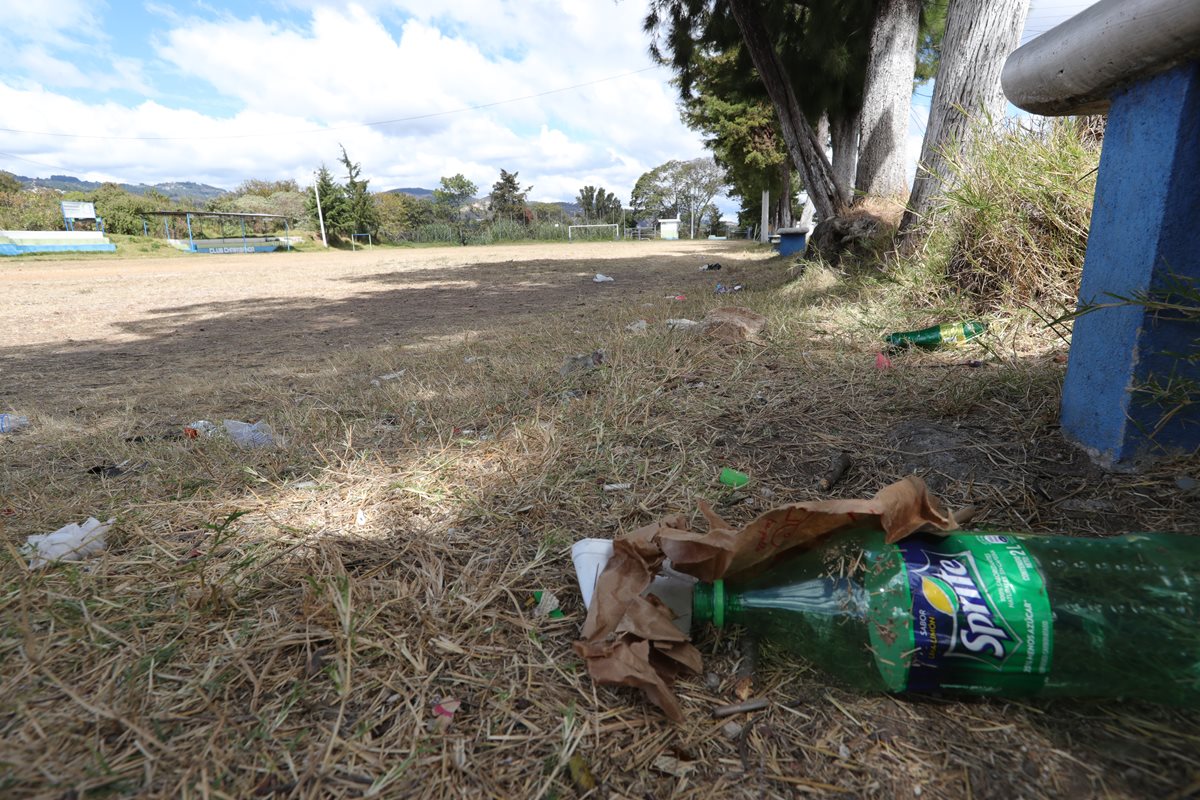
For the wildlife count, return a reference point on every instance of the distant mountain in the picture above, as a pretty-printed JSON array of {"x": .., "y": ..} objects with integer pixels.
[
  {"x": 415, "y": 192},
  {"x": 175, "y": 190}
]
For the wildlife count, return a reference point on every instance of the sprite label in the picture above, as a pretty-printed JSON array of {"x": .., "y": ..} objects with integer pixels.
[
  {"x": 952, "y": 333},
  {"x": 978, "y": 617}
]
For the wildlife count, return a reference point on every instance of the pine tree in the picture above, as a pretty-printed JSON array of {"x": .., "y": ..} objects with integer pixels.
[
  {"x": 508, "y": 201},
  {"x": 361, "y": 215}
]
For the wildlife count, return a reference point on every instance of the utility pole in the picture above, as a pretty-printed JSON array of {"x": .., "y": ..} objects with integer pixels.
[
  {"x": 320, "y": 214},
  {"x": 763, "y": 236}
]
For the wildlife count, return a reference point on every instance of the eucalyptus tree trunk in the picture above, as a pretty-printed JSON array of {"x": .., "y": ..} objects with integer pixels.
[
  {"x": 806, "y": 151},
  {"x": 843, "y": 133},
  {"x": 979, "y": 36},
  {"x": 887, "y": 100}
]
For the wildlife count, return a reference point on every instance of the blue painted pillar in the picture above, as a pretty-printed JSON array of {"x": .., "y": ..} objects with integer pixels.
[{"x": 1144, "y": 239}]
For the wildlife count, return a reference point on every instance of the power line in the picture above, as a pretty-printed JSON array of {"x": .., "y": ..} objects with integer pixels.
[
  {"x": 413, "y": 118},
  {"x": 30, "y": 161}
]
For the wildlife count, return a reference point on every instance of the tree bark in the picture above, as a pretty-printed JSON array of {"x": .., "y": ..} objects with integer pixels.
[
  {"x": 979, "y": 36},
  {"x": 785, "y": 195},
  {"x": 887, "y": 100},
  {"x": 844, "y": 135},
  {"x": 807, "y": 153}
]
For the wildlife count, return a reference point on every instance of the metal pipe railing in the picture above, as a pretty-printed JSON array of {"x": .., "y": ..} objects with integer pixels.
[{"x": 1075, "y": 67}]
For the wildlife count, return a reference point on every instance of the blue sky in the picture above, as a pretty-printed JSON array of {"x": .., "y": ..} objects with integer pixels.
[{"x": 222, "y": 91}]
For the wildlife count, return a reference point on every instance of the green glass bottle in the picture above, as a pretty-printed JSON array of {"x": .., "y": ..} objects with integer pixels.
[
  {"x": 984, "y": 613},
  {"x": 935, "y": 336}
]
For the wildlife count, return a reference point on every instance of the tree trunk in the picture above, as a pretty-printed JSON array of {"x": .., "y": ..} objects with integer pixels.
[
  {"x": 887, "y": 100},
  {"x": 785, "y": 195},
  {"x": 807, "y": 153},
  {"x": 844, "y": 135},
  {"x": 979, "y": 36}
]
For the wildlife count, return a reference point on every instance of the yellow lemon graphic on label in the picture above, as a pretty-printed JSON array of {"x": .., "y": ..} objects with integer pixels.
[{"x": 937, "y": 596}]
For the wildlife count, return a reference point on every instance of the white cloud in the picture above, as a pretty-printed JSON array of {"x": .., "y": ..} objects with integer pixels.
[{"x": 338, "y": 67}]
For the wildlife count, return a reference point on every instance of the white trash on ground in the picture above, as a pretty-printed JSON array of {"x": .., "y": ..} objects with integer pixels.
[
  {"x": 12, "y": 422},
  {"x": 243, "y": 434},
  {"x": 673, "y": 588},
  {"x": 681, "y": 324},
  {"x": 391, "y": 376},
  {"x": 637, "y": 327},
  {"x": 601, "y": 278},
  {"x": 73, "y": 542}
]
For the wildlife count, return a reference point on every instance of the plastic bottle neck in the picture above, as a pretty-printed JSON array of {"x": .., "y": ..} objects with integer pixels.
[{"x": 708, "y": 603}]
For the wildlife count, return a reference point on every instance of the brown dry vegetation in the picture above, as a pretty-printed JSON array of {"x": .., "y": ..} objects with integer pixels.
[{"x": 250, "y": 633}]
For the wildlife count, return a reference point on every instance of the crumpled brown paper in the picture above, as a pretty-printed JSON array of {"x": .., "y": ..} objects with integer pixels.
[
  {"x": 630, "y": 640},
  {"x": 733, "y": 324}
]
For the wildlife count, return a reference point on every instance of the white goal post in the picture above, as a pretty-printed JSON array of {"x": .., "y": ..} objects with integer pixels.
[
  {"x": 572, "y": 228},
  {"x": 354, "y": 237}
]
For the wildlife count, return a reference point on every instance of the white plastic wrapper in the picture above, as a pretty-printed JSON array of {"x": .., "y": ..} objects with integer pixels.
[{"x": 73, "y": 542}]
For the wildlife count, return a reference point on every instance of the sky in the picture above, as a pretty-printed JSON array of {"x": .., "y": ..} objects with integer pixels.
[{"x": 218, "y": 91}]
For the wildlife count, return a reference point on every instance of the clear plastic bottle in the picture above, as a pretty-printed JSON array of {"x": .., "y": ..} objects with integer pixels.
[
  {"x": 984, "y": 613},
  {"x": 12, "y": 422}
]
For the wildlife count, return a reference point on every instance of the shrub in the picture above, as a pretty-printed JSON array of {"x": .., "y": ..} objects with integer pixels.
[{"x": 1014, "y": 229}]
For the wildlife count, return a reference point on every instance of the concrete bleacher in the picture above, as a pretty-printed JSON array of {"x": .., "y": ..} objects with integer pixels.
[{"x": 15, "y": 243}]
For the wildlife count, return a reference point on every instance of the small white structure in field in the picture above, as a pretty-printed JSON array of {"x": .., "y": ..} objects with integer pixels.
[{"x": 668, "y": 229}]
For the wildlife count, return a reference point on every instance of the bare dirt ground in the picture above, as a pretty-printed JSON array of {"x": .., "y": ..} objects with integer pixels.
[{"x": 80, "y": 324}]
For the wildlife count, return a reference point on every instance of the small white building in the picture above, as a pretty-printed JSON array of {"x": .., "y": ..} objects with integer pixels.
[{"x": 668, "y": 229}]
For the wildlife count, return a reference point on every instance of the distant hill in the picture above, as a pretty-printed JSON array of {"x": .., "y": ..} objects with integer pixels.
[
  {"x": 175, "y": 190},
  {"x": 415, "y": 192}
]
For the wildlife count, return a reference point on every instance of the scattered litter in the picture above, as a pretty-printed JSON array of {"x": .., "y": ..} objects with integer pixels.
[
  {"x": 677, "y": 297},
  {"x": 682, "y": 324},
  {"x": 710, "y": 267},
  {"x": 841, "y": 463},
  {"x": 581, "y": 362},
  {"x": 766, "y": 492},
  {"x": 391, "y": 376},
  {"x": 732, "y": 478},
  {"x": 733, "y": 324},
  {"x": 472, "y": 359},
  {"x": 671, "y": 765},
  {"x": 1186, "y": 483},
  {"x": 712, "y": 681},
  {"x": 584, "y": 780},
  {"x": 935, "y": 336},
  {"x": 731, "y": 730},
  {"x": 756, "y": 704},
  {"x": 360, "y": 518},
  {"x": 882, "y": 361},
  {"x": 547, "y": 605},
  {"x": 723, "y": 289},
  {"x": 73, "y": 542},
  {"x": 458, "y": 755},
  {"x": 303, "y": 485},
  {"x": 617, "y": 487},
  {"x": 443, "y": 714},
  {"x": 201, "y": 427},
  {"x": 243, "y": 434},
  {"x": 638, "y": 327},
  {"x": 601, "y": 278},
  {"x": 843, "y": 751},
  {"x": 672, "y": 588},
  {"x": 12, "y": 422}
]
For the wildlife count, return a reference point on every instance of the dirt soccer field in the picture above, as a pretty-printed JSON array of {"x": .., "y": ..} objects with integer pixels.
[{"x": 350, "y": 613}]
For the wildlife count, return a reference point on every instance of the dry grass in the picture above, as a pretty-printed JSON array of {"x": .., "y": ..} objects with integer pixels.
[{"x": 245, "y": 636}]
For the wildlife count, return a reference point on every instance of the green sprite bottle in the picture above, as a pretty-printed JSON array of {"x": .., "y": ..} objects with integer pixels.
[
  {"x": 935, "y": 336},
  {"x": 1001, "y": 614}
]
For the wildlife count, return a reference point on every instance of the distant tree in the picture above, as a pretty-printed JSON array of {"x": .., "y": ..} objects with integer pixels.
[
  {"x": 400, "y": 214},
  {"x": 264, "y": 188},
  {"x": 508, "y": 201},
  {"x": 9, "y": 183},
  {"x": 361, "y": 216},
  {"x": 598, "y": 205},
  {"x": 333, "y": 203},
  {"x": 697, "y": 182},
  {"x": 654, "y": 194},
  {"x": 452, "y": 194}
]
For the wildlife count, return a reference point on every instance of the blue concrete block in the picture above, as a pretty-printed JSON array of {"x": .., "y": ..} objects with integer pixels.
[
  {"x": 1145, "y": 238},
  {"x": 791, "y": 241}
]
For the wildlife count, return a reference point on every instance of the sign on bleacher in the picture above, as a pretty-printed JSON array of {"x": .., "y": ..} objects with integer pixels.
[{"x": 73, "y": 209}]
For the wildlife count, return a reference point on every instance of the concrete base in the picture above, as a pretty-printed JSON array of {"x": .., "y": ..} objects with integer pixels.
[{"x": 1144, "y": 240}]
